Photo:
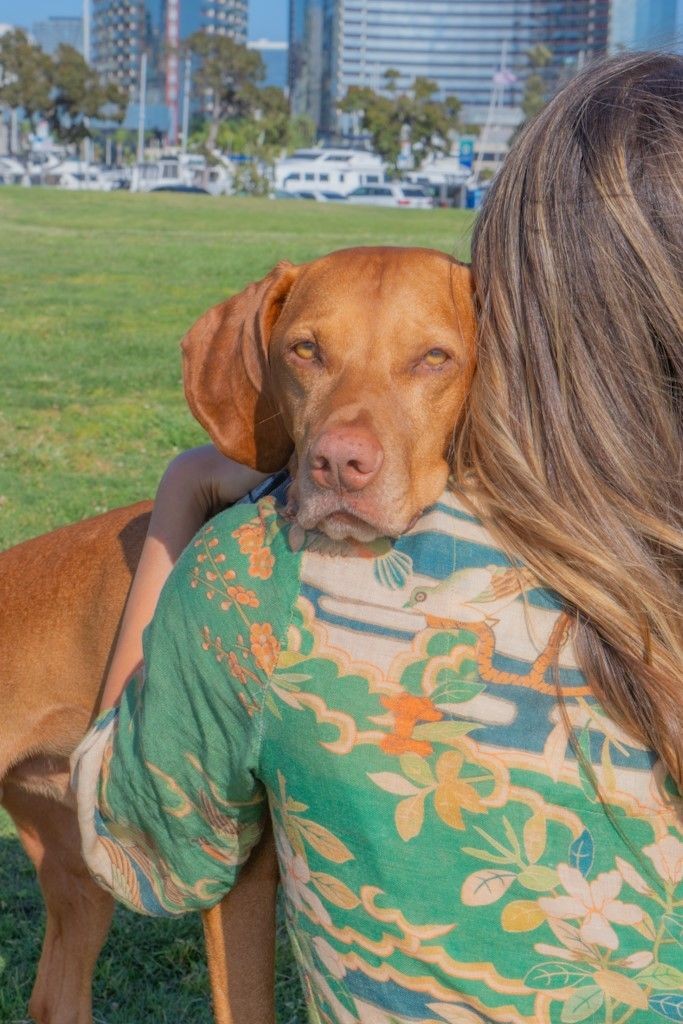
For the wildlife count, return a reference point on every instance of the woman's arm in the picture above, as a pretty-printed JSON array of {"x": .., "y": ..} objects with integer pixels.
[
  {"x": 170, "y": 795},
  {"x": 196, "y": 485}
]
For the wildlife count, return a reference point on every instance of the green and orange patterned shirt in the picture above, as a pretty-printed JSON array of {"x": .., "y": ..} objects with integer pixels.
[{"x": 392, "y": 706}]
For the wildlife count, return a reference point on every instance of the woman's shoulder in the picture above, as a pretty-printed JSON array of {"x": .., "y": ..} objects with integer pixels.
[
  {"x": 452, "y": 546},
  {"x": 455, "y": 514}
]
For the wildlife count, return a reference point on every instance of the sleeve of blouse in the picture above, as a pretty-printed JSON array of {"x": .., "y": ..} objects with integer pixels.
[{"x": 170, "y": 805}]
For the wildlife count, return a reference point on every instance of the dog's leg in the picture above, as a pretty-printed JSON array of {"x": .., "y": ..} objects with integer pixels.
[
  {"x": 78, "y": 912},
  {"x": 240, "y": 943}
]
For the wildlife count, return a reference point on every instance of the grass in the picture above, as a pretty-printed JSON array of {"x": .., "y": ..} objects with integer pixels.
[
  {"x": 96, "y": 292},
  {"x": 150, "y": 971}
]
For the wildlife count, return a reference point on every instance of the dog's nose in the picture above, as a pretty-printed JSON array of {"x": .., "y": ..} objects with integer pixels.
[{"x": 346, "y": 459}]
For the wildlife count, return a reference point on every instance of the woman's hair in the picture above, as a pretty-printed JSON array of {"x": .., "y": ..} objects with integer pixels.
[{"x": 573, "y": 439}]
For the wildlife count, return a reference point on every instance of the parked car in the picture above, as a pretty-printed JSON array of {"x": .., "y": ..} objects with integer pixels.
[
  {"x": 195, "y": 189},
  {"x": 320, "y": 196},
  {"x": 391, "y": 194}
]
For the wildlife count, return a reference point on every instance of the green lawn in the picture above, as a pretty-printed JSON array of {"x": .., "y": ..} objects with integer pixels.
[{"x": 96, "y": 292}]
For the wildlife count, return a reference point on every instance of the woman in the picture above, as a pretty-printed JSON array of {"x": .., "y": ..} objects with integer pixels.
[{"x": 474, "y": 777}]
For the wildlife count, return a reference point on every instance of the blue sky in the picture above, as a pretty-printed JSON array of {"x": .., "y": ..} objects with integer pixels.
[{"x": 266, "y": 17}]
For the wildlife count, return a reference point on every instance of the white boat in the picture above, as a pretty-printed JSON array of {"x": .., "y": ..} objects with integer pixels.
[
  {"x": 445, "y": 177},
  {"x": 13, "y": 172},
  {"x": 77, "y": 176},
  {"x": 337, "y": 170},
  {"x": 41, "y": 162},
  {"x": 440, "y": 170},
  {"x": 182, "y": 170},
  {"x": 219, "y": 180}
]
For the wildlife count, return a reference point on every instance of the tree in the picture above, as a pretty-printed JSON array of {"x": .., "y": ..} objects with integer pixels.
[
  {"x": 391, "y": 77},
  {"x": 248, "y": 180},
  {"x": 239, "y": 135},
  {"x": 78, "y": 95},
  {"x": 300, "y": 131},
  {"x": 534, "y": 97},
  {"x": 227, "y": 74},
  {"x": 25, "y": 75},
  {"x": 380, "y": 116},
  {"x": 271, "y": 111},
  {"x": 427, "y": 120},
  {"x": 64, "y": 90},
  {"x": 430, "y": 121},
  {"x": 265, "y": 132}
]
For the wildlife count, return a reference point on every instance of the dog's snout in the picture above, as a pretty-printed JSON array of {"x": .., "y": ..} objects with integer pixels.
[{"x": 346, "y": 459}]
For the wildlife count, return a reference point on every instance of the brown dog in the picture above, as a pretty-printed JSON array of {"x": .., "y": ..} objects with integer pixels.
[{"x": 359, "y": 363}]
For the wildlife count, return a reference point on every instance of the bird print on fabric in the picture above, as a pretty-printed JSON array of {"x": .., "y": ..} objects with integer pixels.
[{"x": 471, "y": 595}]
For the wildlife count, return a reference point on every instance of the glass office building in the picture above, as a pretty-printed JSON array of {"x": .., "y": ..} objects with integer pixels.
[
  {"x": 314, "y": 38},
  {"x": 646, "y": 25},
  {"x": 53, "y": 31},
  {"x": 460, "y": 44},
  {"x": 574, "y": 31},
  {"x": 336, "y": 44}
]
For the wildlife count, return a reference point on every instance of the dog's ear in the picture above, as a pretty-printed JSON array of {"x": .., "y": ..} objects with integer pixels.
[
  {"x": 462, "y": 291},
  {"x": 226, "y": 373}
]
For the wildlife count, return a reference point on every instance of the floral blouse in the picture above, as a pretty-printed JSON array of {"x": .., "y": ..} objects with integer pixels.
[{"x": 393, "y": 707}]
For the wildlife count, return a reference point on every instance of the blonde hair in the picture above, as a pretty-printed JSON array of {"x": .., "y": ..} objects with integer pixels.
[{"x": 573, "y": 437}]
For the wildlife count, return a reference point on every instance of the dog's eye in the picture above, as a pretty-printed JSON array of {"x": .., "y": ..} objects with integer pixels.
[
  {"x": 305, "y": 349},
  {"x": 435, "y": 357}
]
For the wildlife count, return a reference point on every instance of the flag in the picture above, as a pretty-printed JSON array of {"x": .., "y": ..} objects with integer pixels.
[{"x": 504, "y": 77}]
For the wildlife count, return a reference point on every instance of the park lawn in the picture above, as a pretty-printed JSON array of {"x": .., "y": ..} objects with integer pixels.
[{"x": 97, "y": 291}]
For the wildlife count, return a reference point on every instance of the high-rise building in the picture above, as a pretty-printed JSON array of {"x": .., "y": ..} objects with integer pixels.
[
  {"x": 574, "y": 31},
  {"x": 646, "y": 25},
  {"x": 53, "y": 31},
  {"x": 122, "y": 30},
  {"x": 222, "y": 17},
  {"x": 460, "y": 44}
]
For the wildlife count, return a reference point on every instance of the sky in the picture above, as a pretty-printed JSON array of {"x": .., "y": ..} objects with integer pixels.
[{"x": 267, "y": 18}]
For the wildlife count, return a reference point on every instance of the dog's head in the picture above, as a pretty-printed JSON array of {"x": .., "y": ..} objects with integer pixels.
[{"x": 359, "y": 363}]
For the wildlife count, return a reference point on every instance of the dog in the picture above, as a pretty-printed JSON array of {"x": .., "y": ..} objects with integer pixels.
[{"x": 354, "y": 369}]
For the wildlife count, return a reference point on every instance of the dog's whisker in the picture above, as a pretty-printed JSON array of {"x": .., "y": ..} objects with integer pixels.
[{"x": 267, "y": 419}]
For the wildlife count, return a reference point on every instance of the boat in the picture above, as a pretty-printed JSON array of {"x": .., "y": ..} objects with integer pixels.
[
  {"x": 13, "y": 172},
  {"x": 190, "y": 170},
  {"x": 325, "y": 168},
  {"x": 77, "y": 176}
]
